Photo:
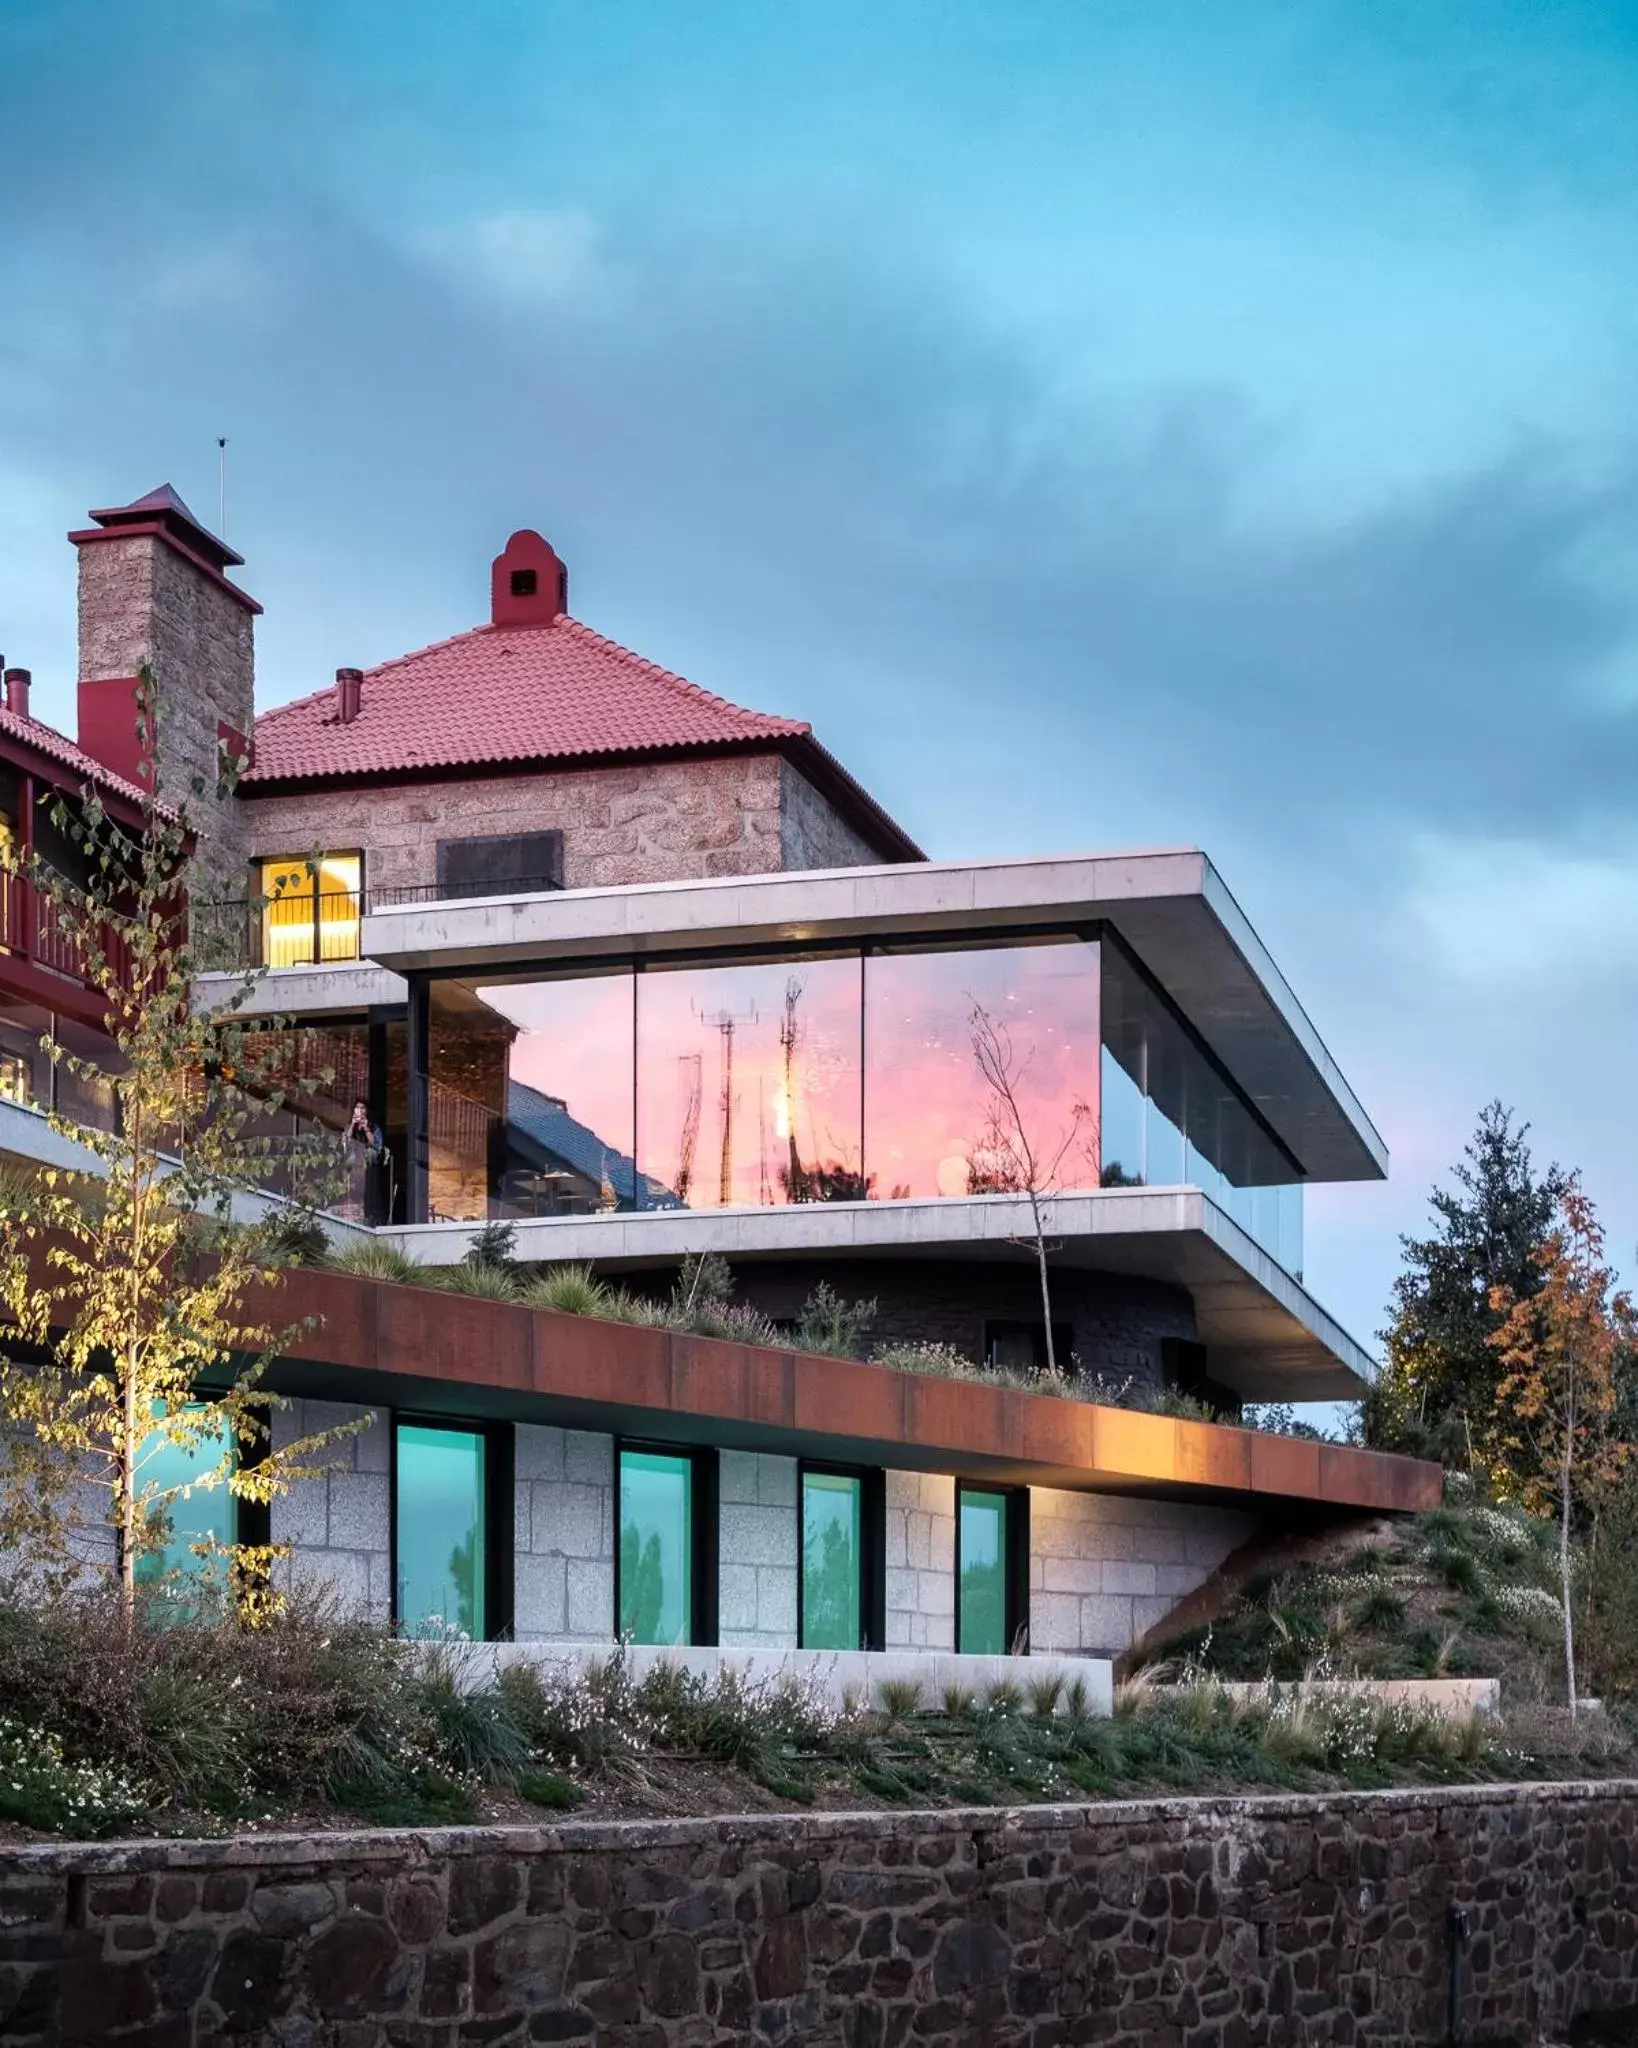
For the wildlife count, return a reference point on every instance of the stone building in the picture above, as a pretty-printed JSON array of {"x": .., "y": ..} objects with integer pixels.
[{"x": 645, "y": 974}]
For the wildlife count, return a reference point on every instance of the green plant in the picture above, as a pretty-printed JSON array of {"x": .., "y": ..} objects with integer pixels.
[
  {"x": 546, "y": 1788},
  {"x": 1045, "y": 1695},
  {"x": 571, "y": 1289},
  {"x": 959, "y": 1702},
  {"x": 703, "y": 1280},
  {"x": 490, "y": 1282},
  {"x": 899, "y": 1698},
  {"x": 40, "y": 1788},
  {"x": 494, "y": 1246},
  {"x": 1380, "y": 1608},
  {"x": 829, "y": 1324},
  {"x": 471, "y": 1725},
  {"x": 372, "y": 1258},
  {"x": 1003, "y": 1696}
]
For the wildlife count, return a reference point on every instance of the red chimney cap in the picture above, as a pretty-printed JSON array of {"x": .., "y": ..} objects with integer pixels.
[
  {"x": 164, "y": 506},
  {"x": 528, "y": 584}
]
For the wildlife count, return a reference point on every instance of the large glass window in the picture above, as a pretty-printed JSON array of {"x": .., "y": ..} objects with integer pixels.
[
  {"x": 972, "y": 1057},
  {"x": 981, "y": 1573},
  {"x": 832, "y": 1561},
  {"x": 310, "y": 911},
  {"x": 1172, "y": 1120},
  {"x": 25, "y": 1064},
  {"x": 439, "y": 1530},
  {"x": 748, "y": 1083},
  {"x": 170, "y": 1482},
  {"x": 656, "y": 1561}
]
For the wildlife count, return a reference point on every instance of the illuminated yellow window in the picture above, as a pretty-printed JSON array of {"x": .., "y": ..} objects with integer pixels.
[{"x": 310, "y": 912}]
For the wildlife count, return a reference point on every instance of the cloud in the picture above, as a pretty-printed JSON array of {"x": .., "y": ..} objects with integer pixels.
[
  {"x": 1480, "y": 909},
  {"x": 532, "y": 259}
]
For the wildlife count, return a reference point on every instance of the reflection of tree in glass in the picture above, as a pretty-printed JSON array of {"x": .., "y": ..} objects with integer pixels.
[
  {"x": 642, "y": 1584},
  {"x": 830, "y": 1595},
  {"x": 983, "y": 1595},
  {"x": 463, "y": 1574}
]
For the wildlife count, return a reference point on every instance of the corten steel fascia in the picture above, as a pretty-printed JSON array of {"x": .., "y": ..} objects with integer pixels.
[{"x": 383, "y": 1342}]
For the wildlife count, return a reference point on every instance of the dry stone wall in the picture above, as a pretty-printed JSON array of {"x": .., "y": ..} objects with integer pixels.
[{"x": 1186, "y": 1924}]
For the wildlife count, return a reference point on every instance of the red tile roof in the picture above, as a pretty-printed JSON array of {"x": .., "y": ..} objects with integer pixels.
[
  {"x": 46, "y": 739},
  {"x": 509, "y": 695}
]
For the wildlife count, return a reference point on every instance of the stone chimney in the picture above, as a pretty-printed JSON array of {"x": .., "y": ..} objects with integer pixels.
[
  {"x": 154, "y": 593},
  {"x": 17, "y": 681},
  {"x": 349, "y": 694},
  {"x": 528, "y": 585}
]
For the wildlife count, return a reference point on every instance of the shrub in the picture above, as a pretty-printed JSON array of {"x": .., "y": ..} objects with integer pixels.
[
  {"x": 40, "y": 1788},
  {"x": 1046, "y": 1695},
  {"x": 371, "y": 1258},
  {"x": 493, "y": 1247},
  {"x": 899, "y": 1698},
  {"x": 571, "y": 1289},
  {"x": 704, "y": 1280},
  {"x": 491, "y": 1282},
  {"x": 959, "y": 1702},
  {"x": 831, "y": 1325}
]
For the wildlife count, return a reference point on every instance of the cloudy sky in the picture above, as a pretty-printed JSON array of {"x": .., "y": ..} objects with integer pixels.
[{"x": 1112, "y": 424}]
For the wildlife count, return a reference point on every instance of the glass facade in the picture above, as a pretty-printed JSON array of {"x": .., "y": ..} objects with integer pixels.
[
  {"x": 1170, "y": 1119},
  {"x": 204, "y": 1515},
  {"x": 29, "y": 1075},
  {"x": 439, "y": 1534},
  {"x": 832, "y": 1561},
  {"x": 656, "y": 1563},
  {"x": 310, "y": 912},
  {"x": 981, "y": 1573}
]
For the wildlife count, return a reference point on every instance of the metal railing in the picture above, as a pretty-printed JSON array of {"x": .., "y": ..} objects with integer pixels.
[
  {"x": 35, "y": 926},
  {"x": 304, "y": 928}
]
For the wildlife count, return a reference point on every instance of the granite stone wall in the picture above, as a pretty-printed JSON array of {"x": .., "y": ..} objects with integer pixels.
[
  {"x": 339, "y": 1522},
  {"x": 758, "y": 1548},
  {"x": 654, "y": 821},
  {"x": 1104, "y": 1568},
  {"x": 1180, "y": 1924},
  {"x": 563, "y": 1535},
  {"x": 920, "y": 1559}
]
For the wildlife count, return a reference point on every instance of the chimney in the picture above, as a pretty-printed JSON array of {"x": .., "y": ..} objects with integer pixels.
[
  {"x": 349, "y": 694},
  {"x": 528, "y": 585},
  {"x": 17, "y": 682},
  {"x": 154, "y": 593}
]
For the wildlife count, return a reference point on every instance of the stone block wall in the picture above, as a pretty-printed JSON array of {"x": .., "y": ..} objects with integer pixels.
[
  {"x": 1232, "y": 1923},
  {"x": 920, "y": 1557},
  {"x": 563, "y": 1535},
  {"x": 340, "y": 1521},
  {"x": 1104, "y": 1568},
  {"x": 758, "y": 1550},
  {"x": 652, "y": 821}
]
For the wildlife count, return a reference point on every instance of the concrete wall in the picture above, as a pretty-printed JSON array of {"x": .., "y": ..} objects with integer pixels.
[
  {"x": 757, "y": 1549},
  {"x": 1182, "y": 1923},
  {"x": 654, "y": 821},
  {"x": 563, "y": 1524},
  {"x": 1105, "y": 1567},
  {"x": 920, "y": 1554},
  {"x": 340, "y": 1521}
]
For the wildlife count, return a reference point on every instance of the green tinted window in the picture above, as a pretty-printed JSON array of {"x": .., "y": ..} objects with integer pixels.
[
  {"x": 832, "y": 1573},
  {"x": 440, "y": 1532},
  {"x": 982, "y": 1553},
  {"x": 656, "y": 1547},
  {"x": 202, "y": 1516}
]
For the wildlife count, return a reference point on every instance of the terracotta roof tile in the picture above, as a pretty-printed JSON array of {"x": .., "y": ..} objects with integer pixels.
[
  {"x": 504, "y": 694},
  {"x": 48, "y": 740}
]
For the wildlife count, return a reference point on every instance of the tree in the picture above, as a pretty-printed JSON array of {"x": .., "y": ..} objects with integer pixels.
[
  {"x": 136, "y": 1286},
  {"x": 1012, "y": 1157},
  {"x": 1559, "y": 1346},
  {"x": 1437, "y": 1393}
]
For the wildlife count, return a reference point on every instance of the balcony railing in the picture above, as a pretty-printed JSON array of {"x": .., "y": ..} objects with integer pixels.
[
  {"x": 304, "y": 929},
  {"x": 34, "y": 927}
]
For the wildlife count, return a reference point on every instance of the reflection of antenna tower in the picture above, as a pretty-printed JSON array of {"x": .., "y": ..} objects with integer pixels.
[
  {"x": 790, "y": 1036},
  {"x": 726, "y": 1024},
  {"x": 690, "y": 1125}
]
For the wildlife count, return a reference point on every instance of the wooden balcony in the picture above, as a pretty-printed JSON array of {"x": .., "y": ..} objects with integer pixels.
[{"x": 40, "y": 957}]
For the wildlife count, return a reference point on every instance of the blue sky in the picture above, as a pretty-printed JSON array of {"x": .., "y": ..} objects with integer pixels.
[{"x": 1111, "y": 424}]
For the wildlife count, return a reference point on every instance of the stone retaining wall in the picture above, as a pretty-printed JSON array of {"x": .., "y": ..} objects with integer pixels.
[{"x": 1196, "y": 1923}]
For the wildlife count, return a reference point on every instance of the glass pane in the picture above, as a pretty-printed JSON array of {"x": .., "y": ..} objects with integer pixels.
[
  {"x": 982, "y": 1540},
  {"x": 748, "y": 1083},
  {"x": 202, "y": 1516},
  {"x": 341, "y": 882},
  {"x": 656, "y": 1547},
  {"x": 287, "y": 915},
  {"x": 832, "y": 1561},
  {"x": 89, "y": 1096},
  {"x": 531, "y": 1098},
  {"x": 440, "y": 1530},
  {"x": 934, "y": 1125},
  {"x": 25, "y": 1066}
]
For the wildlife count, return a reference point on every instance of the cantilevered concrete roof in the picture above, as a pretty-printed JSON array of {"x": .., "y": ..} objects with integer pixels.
[{"x": 1170, "y": 907}]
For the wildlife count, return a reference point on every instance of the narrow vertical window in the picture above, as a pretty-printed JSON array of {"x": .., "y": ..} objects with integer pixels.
[
  {"x": 981, "y": 1573},
  {"x": 833, "y": 1576},
  {"x": 440, "y": 1580},
  {"x": 656, "y": 1558},
  {"x": 184, "y": 1512}
]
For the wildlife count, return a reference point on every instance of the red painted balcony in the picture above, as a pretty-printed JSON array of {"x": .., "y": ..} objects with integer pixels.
[{"x": 35, "y": 933}]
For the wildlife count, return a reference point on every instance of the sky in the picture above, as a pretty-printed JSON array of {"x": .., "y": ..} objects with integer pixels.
[{"x": 1111, "y": 425}]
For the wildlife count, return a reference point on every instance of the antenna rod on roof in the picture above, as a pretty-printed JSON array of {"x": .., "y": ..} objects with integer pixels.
[{"x": 221, "y": 487}]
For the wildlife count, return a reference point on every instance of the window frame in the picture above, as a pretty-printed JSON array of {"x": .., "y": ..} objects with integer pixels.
[
  {"x": 499, "y": 1525},
  {"x": 312, "y": 863},
  {"x": 1014, "y": 1566},
  {"x": 872, "y": 1548},
  {"x": 703, "y": 1558}
]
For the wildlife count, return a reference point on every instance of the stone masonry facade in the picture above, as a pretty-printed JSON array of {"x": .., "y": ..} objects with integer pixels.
[
  {"x": 1238, "y": 1923},
  {"x": 1104, "y": 1568},
  {"x": 650, "y": 821},
  {"x": 141, "y": 603},
  {"x": 563, "y": 1555},
  {"x": 339, "y": 1522},
  {"x": 920, "y": 1557},
  {"x": 757, "y": 1532}
]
